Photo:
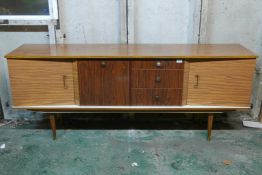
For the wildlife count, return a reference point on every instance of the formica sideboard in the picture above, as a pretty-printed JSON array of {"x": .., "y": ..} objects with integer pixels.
[{"x": 131, "y": 78}]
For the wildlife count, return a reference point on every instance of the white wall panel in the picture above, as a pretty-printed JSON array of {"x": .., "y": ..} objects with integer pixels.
[
  {"x": 236, "y": 21},
  {"x": 164, "y": 21},
  {"x": 90, "y": 21}
]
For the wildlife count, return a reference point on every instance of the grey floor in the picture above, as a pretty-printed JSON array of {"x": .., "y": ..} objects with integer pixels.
[{"x": 141, "y": 144}]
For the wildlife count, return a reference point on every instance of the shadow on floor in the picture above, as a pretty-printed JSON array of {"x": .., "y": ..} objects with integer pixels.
[{"x": 143, "y": 121}]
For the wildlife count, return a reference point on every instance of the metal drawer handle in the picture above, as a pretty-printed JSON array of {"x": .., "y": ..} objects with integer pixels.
[
  {"x": 103, "y": 64},
  {"x": 197, "y": 81},
  {"x": 64, "y": 81},
  {"x": 157, "y": 98},
  {"x": 158, "y": 79},
  {"x": 158, "y": 64}
]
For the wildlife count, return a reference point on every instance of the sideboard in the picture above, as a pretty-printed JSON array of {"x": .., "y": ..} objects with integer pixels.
[{"x": 131, "y": 78}]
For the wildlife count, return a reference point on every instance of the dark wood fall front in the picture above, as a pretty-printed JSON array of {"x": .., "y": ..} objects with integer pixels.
[{"x": 103, "y": 83}]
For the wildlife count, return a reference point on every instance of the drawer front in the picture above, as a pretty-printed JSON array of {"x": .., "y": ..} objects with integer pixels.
[
  {"x": 157, "y": 78},
  {"x": 157, "y": 64},
  {"x": 156, "y": 97},
  {"x": 38, "y": 82}
]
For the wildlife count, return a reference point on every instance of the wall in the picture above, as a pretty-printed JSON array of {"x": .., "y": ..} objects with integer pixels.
[
  {"x": 149, "y": 21},
  {"x": 168, "y": 21},
  {"x": 92, "y": 21},
  {"x": 8, "y": 42},
  {"x": 237, "y": 21}
]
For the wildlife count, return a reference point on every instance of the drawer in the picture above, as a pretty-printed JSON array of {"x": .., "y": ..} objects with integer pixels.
[
  {"x": 157, "y": 64},
  {"x": 156, "y": 97},
  {"x": 144, "y": 78}
]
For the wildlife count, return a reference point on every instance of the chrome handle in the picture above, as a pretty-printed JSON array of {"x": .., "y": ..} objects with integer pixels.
[
  {"x": 103, "y": 64},
  {"x": 158, "y": 64},
  {"x": 158, "y": 79},
  {"x": 197, "y": 81},
  {"x": 64, "y": 81}
]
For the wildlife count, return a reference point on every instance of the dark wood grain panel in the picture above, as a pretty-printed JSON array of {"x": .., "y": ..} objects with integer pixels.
[
  {"x": 157, "y": 64},
  {"x": 103, "y": 82},
  {"x": 156, "y": 97},
  {"x": 144, "y": 78}
]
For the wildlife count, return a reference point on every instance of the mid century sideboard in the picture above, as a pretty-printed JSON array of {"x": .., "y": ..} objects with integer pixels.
[{"x": 131, "y": 78}]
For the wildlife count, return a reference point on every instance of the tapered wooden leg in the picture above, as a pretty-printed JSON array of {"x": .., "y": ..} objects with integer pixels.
[
  {"x": 210, "y": 125},
  {"x": 53, "y": 125}
]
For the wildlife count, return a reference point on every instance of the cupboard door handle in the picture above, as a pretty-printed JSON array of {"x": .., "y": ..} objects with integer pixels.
[
  {"x": 158, "y": 79},
  {"x": 158, "y": 64},
  {"x": 64, "y": 81},
  {"x": 197, "y": 81},
  {"x": 103, "y": 64}
]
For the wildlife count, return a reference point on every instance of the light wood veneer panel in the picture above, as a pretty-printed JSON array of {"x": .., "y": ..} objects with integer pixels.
[
  {"x": 185, "y": 83},
  {"x": 138, "y": 51},
  {"x": 38, "y": 82},
  {"x": 221, "y": 83},
  {"x": 76, "y": 82}
]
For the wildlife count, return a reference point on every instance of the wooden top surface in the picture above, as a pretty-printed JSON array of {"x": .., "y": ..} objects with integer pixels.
[{"x": 77, "y": 51}]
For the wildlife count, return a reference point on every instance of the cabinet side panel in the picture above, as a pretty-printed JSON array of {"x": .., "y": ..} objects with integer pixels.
[
  {"x": 76, "y": 82},
  {"x": 38, "y": 82},
  {"x": 221, "y": 83},
  {"x": 185, "y": 83}
]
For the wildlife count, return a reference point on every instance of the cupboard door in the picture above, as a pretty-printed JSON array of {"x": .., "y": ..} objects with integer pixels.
[
  {"x": 220, "y": 83},
  {"x": 104, "y": 82},
  {"x": 39, "y": 82}
]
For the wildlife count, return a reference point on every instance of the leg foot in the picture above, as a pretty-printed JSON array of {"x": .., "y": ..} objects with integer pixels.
[
  {"x": 53, "y": 125},
  {"x": 210, "y": 125}
]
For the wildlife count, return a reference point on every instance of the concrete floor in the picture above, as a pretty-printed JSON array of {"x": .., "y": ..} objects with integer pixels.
[{"x": 137, "y": 145}]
